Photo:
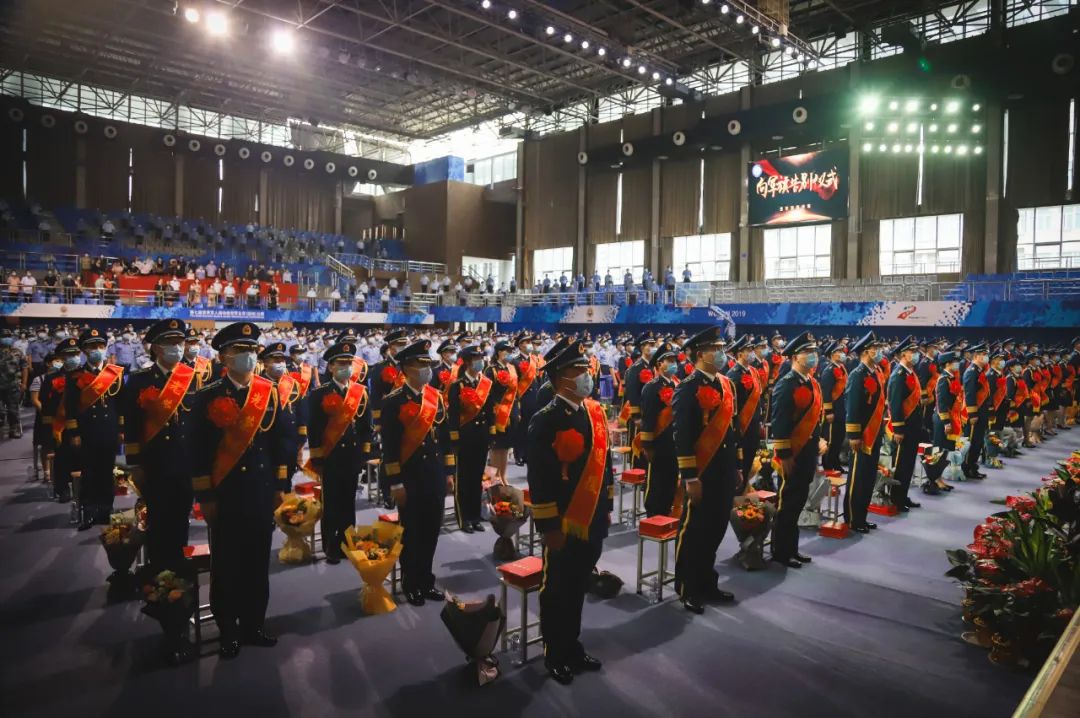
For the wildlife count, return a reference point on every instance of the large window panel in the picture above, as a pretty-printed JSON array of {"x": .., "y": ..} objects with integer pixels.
[
  {"x": 552, "y": 263},
  {"x": 708, "y": 256},
  {"x": 921, "y": 245},
  {"x": 798, "y": 252},
  {"x": 1048, "y": 237},
  {"x": 617, "y": 257}
]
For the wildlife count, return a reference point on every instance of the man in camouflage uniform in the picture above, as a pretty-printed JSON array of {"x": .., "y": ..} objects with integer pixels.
[{"x": 14, "y": 375}]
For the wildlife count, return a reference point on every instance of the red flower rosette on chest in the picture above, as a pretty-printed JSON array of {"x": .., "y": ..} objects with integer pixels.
[
  {"x": 870, "y": 384},
  {"x": 802, "y": 397},
  {"x": 747, "y": 380},
  {"x": 85, "y": 379},
  {"x": 223, "y": 411},
  {"x": 569, "y": 445},
  {"x": 688, "y": 368},
  {"x": 332, "y": 403},
  {"x": 408, "y": 412},
  {"x": 645, "y": 376},
  {"x": 954, "y": 387},
  {"x": 389, "y": 375},
  {"x": 837, "y": 373},
  {"x": 708, "y": 398},
  {"x": 148, "y": 397},
  {"x": 503, "y": 377},
  {"x": 444, "y": 376},
  {"x": 469, "y": 396},
  {"x": 523, "y": 367},
  {"x": 58, "y": 384},
  {"x": 666, "y": 394},
  {"x": 911, "y": 381},
  {"x": 1001, "y": 383},
  {"x": 682, "y": 356}
]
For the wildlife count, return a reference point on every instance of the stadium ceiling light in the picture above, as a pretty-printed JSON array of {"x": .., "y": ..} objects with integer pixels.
[
  {"x": 976, "y": 129},
  {"x": 892, "y": 127},
  {"x": 869, "y": 126},
  {"x": 775, "y": 42},
  {"x": 283, "y": 41},
  {"x": 486, "y": 4},
  {"x": 550, "y": 30},
  {"x": 934, "y": 149},
  {"x": 907, "y": 148},
  {"x": 882, "y": 147},
  {"x": 567, "y": 38},
  {"x": 962, "y": 150},
  {"x": 868, "y": 104},
  {"x": 978, "y": 149},
  {"x": 739, "y": 19},
  {"x": 933, "y": 107},
  {"x": 724, "y": 9},
  {"x": 512, "y": 14},
  {"x": 894, "y": 105},
  {"x": 932, "y": 127},
  {"x": 191, "y": 14},
  {"x": 705, "y": 2},
  {"x": 626, "y": 62},
  {"x": 754, "y": 29},
  {"x": 912, "y": 127},
  {"x": 952, "y": 106},
  {"x": 911, "y": 106},
  {"x": 951, "y": 128},
  {"x": 655, "y": 75},
  {"x": 896, "y": 148},
  {"x": 948, "y": 149},
  {"x": 601, "y": 51},
  {"x": 867, "y": 147},
  {"x": 641, "y": 69},
  {"x": 216, "y": 23},
  {"x": 976, "y": 107},
  {"x": 584, "y": 44},
  {"x": 669, "y": 82}
]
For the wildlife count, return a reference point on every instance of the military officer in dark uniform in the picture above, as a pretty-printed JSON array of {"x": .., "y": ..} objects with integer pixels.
[
  {"x": 795, "y": 431},
  {"x": 904, "y": 394},
  {"x": 570, "y": 484},
  {"x": 306, "y": 376},
  {"x": 471, "y": 429},
  {"x": 948, "y": 416},
  {"x": 707, "y": 449},
  {"x": 93, "y": 427},
  {"x": 864, "y": 404},
  {"x": 158, "y": 449},
  {"x": 995, "y": 377},
  {"x": 529, "y": 375},
  {"x": 833, "y": 376},
  {"x": 506, "y": 406},
  {"x": 977, "y": 400},
  {"x": 414, "y": 430},
  {"x": 546, "y": 392},
  {"x": 657, "y": 432},
  {"x": 446, "y": 370},
  {"x": 749, "y": 394},
  {"x": 292, "y": 409},
  {"x": 384, "y": 378},
  {"x": 54, "y": 414},
  {"x": 239, "y": 456},
  {"x": 340, "y": 434},
  {"x": 637, "y": 376}
]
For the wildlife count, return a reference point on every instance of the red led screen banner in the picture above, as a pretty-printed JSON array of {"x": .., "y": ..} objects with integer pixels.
[{"x": 799, "y": 189}]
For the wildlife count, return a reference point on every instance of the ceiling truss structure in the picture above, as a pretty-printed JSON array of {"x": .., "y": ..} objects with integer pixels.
[{"x": 399, "y": 69}]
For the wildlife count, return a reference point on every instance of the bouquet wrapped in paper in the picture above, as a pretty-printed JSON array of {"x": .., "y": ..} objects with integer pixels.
[
  {"x": 751, "y": 520},
  {"x": 170, "y": 600},
  {"x": 373, "y": 551},
  {"x": 507, "y": 509},
  {"x": 810, "y": 516},
  {"x": 122, "y": 540},
  {"x": 475, "y": 627},
  {"x": 761, "y": 473},
  {"x": 296, "y": 517}
]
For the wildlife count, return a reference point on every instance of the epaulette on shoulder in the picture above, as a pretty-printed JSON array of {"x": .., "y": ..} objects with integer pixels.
[{"x": 393, "y": 393}]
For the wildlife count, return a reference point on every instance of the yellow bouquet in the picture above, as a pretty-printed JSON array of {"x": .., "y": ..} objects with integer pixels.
[
  {"x": 373, "y": 551},
  {"x": 296, "y": 518}
]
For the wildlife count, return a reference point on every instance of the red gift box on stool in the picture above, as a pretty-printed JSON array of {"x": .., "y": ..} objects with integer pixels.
[
  {"x": 390, "y": 518},
  {"x": 633, "y": 476},
  {"x": 306, "y": 488},
  {"x": 524, "y": 573},
  {"x": 658, "y": 526}
]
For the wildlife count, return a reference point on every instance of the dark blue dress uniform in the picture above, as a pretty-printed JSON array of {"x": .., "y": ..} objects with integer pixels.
[
  {"x": 470, "y": 440},
  {"x": 947, "y": 397},
  {"x": 527, "y": 402},
  {"x": 165, "y": 459},
  {"x": 503, "y": 439},
  {"x": 865, "y": 390},
  {"x": 662, "y": 475},
  {"x": 790, "y": 408},
  {"x": 702, "y": 526},
  {"x": 635, "y": 377},
  {"x": 53, "y": 410},
  {"x": 551, "y": 488},
  {"x": 95, "y": 432},
  {"x": 340, "y": 468},
  {"x": 241, "y": 533},
  {"x": 444, "y": 370},
  {"x": 997, "y": 382},
  {"x": 546, "y": 392},
  {"x": 380, "y": 385},
  {"x": 977, "y": 400},
  {"x": 424, "y": 478},
  {"x": 744, "y": 377},
  {"x": 833, "y": 380},
  {"x": 292, "y": 409},
  {"x": 905, "y": 409}
]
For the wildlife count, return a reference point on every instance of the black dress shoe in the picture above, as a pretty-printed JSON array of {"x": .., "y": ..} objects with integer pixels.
[
  {"x": 519, "y": 462},
  {"x": 179, "y": 652},
  {"x": 802, "y": 558},
  {"x": 86, "y": 523},
  {"x": 434, "y": 594},
  {"x": 561, "y": 672},
  {"x": 909, "y": 504},
  {"x": 903, "y": 508},
  {"x": 586, "y": 663},
  {"x": 467, "y": 529},
  {"x": 416, "y": 598},
  {"x": 789, "y": 562},
  {"x": 259, "y": 638},
  {"x": 930, "y": 489},
  {"x": 717, "y": 594},
  {"x": 229, "y": 649},
  {"x": 870, "y": 524},
  {"x": 693, "y": 605},
  {"x": 478, "y": 527},
  {"x": 333, "y": 560},
  {"x": 861, "y": 529}
]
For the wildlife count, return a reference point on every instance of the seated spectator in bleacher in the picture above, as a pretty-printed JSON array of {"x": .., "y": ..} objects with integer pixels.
[
  {"x": 228, "y": 271},
  {"x": 211, "y": 270},
  {"x": 200, "y": 273},
  {"x": 230, "y": 295},
  {"x": 144, "y": 265}
]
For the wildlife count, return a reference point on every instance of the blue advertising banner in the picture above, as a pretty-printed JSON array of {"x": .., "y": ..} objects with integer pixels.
[{"x": 799, "y": 189}]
